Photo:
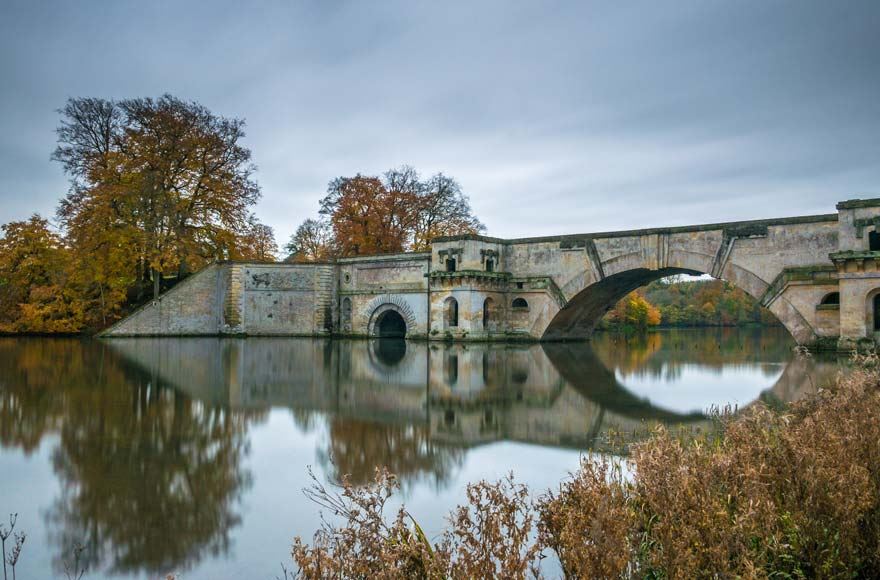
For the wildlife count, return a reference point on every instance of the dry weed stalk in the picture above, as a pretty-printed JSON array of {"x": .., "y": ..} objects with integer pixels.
[
  {"x": 490, "y": 537},
  {"x": 73, "y": 571},
  {"x": 18, "y": 539}
]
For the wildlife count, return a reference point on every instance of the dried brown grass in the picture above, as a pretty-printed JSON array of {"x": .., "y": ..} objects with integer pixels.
[{"x": 791, "y": 493}]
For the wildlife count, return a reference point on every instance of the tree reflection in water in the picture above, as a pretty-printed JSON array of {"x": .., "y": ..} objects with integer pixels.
[
  {"x": 151, "y": 480},
  {"x": 662, "y": 354},
  {"x": 357, "y": 447}
]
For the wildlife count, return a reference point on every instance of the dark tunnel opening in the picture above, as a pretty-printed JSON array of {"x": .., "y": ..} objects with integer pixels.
[{"x": 391, "y": 325}]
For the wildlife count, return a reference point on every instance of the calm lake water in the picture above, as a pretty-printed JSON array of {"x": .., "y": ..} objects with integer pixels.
[{"x": 189, "y": 455}]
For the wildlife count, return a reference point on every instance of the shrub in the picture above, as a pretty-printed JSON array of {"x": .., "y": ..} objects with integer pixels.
[{"x": 490, "y": 537}]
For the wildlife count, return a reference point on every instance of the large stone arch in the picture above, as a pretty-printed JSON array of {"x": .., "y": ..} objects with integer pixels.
[
  {"x": 589, "y": 299},
  {"x": 380, "y": 304}
]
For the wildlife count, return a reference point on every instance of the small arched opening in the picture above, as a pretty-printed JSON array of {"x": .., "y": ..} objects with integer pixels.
[
  {"x": 346, "y": 314},
  {"x": 490, "y": 265},
  {"x": 873, "y": 241},
  {"x": 450, "y": 264},
  {"x": 876, "y": 307},
  {"x": 451, "y": 312},
  {"x": 520, "y": 303},
  {"x": 391, "y": 324},
  {"x": 488, "y": 306},
  {"x": 831, "y": 299}
]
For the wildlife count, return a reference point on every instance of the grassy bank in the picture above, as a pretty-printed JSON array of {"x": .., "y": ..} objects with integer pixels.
[{"x": 771, "y": 493}]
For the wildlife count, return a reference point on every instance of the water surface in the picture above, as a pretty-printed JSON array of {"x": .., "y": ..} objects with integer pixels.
[{"x": 189, "y": 455}]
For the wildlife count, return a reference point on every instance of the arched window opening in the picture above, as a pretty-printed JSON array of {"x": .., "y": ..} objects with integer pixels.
[
  {"x": 490, "y": 265},
  {"x": 391, "y": 325},
  {"x": 873, "y": 241},
  {"x": 831, "y": 298},
  {"x": 346, "y": 313},
  {"x": 520, "y": 303},
  {"x": 451, "y": 312},
  {"x": 877, "y": 312},
  {"x": 450, "y": 264},
  {"x": 487, "y": 312}
]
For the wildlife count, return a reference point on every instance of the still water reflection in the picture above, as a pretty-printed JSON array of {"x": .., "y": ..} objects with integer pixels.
[{"x": 188, "y": 455}]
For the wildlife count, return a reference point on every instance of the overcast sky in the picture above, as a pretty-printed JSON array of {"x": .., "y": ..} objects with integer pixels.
[{"x": 556, "y": 117}]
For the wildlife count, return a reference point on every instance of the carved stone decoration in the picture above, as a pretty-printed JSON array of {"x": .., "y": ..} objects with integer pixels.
[{"x": 260, "y": 280}]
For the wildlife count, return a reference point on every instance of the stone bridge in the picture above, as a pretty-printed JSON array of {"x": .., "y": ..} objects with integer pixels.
[{"x": 818, "y": 274}]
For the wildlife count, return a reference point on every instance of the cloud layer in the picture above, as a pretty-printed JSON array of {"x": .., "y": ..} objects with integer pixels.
[{"x": 556, "y": 117}]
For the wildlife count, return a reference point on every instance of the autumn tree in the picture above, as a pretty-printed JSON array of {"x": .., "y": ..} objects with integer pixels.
[
  {"x": 312, "y": 242},
  {"x": 443, "y": 210},
  {"x": 257, "y": 243},
  {"x": 366, "y": 217},
  {"x": 634, "y": 312},
  {"x": 163, "y": 179},
  {"x": 34, "y": 294},
  {"x": 684, "y": 302},
  {"x": 397, "y": 212}
]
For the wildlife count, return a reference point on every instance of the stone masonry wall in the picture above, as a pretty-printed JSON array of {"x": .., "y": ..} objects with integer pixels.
[
  {"x": 193, "y": 307},
  {"x": 287, "y": 299}
]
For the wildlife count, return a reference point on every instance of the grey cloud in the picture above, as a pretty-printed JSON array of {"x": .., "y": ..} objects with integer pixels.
[{"x": 556, "y": 117}]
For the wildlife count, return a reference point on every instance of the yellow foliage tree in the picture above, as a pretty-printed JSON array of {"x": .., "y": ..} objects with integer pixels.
[
  {"x": 34, "y": 292},
  {"x": 634, "y": 311}
]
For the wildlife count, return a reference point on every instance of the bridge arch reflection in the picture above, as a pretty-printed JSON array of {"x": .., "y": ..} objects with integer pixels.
[{"x": 553, "y": 394}]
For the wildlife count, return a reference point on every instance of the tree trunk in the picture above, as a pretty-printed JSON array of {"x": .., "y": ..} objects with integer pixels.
[
  {"x": 139, "y": 276},
  {"x": 156, "y": 277},
  {"x": 182, "y": 269}
]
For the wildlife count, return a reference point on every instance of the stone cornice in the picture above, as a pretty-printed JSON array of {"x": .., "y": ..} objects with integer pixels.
[
  {"x": 755, "y": 225},
  {"x": 857, "y": 203},
  {"x": 854, "y": 255}
]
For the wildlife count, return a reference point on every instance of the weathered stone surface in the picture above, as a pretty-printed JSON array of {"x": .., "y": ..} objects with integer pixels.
[
  {"x": 481, "y": 288},
  {"x": 193, "y": 307}
]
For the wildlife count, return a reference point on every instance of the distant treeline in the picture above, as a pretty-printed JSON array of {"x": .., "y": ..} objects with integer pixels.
[{"x": 676, "y": 302}]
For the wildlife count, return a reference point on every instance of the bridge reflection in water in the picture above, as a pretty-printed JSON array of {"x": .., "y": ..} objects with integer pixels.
[{"x": 564, "y": 394}]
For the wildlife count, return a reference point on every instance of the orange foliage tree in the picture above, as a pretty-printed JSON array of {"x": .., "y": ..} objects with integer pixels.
[
  {"x": 256, "y": 243},
  {"x": 34, "y": 292},
  {"x": 634, "y": 312},
  {"x": 366, "y": 217},
  {"x": 378, "y": 215}
]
